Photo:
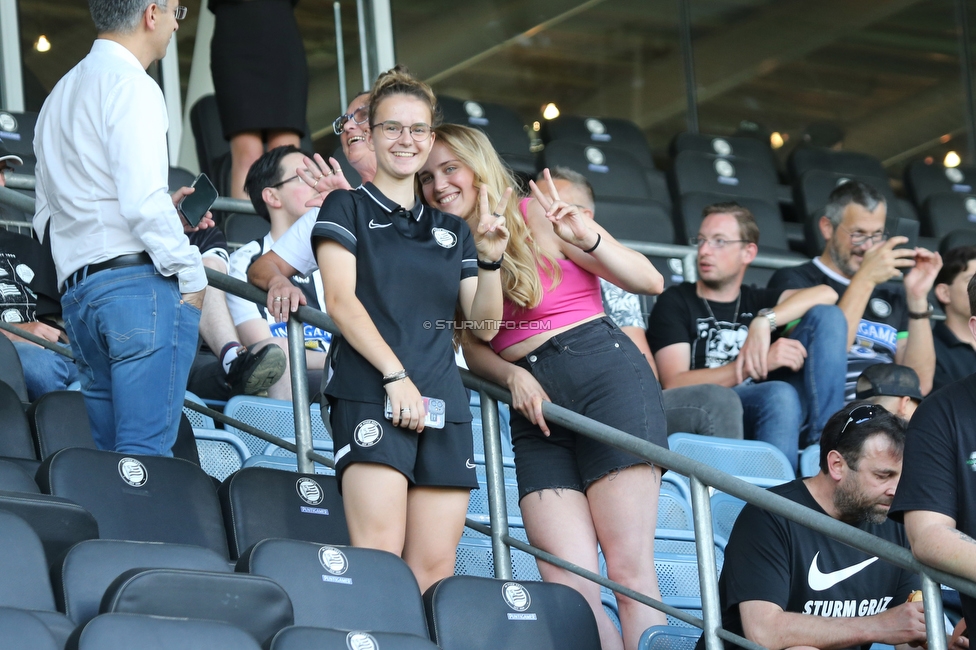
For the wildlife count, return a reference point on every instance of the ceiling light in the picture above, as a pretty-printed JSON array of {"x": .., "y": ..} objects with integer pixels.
[
  {"x": 776, "y": 140},
  {"x": 42, "y": 44},
  {"x": 550, "y": 112},
  {"x": 952, "y": 159}
]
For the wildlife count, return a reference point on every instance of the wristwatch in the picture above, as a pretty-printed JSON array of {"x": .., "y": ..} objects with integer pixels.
[{"x": 770, "y": 316}]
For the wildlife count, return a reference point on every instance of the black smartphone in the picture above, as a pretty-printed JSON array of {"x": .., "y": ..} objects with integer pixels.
[
  {"x": 907, "y": 228},
  {"x": 194, "y": 206}
]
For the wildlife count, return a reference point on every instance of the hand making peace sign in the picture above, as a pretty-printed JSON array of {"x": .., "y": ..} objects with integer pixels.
[
  {"x": 491, "y": 235},
  {"x": 567, "y": 219}
]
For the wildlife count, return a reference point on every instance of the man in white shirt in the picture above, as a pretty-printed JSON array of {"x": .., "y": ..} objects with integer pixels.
[
  {"x": 132, "y": 285},
  {"x": 279, "y": 195}
]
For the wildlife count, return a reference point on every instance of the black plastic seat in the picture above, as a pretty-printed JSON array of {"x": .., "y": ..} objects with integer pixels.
[
  {"x": 923, "y": 180},
  {"x": 501, "y": 124},
  {"x": 695, "y": 171},
  {"x": 469, "y": 613},
  {"x": 59, "y": 523},
  {"x": 15, "y": 433},
  {"x": 261, "y": 503},
  {"x": 242, "y": 228},
  {"x": 646, "y": 221},
  {"x": 144, "y": 498},
  {"x": 600, "y": 131},
  {"x": 957, "y": 238},
  {"x": 613, "y": 173},
  {"x": 772, "y": 235},
  {"x": 945, "y": 212},
  {"x": 128, "y": 631},
  {"x": 343, "y": 587},
  {"x": 848, "y": 163},
  {"x": 90, "y": 567},
  {"x": 733, "y": 147},
  {"x": 11, "y": 373},
  {"x": 58, "y": 420},
  {"x": 14, "y": 478},
  {"x": 254, "y": 604},
  {"x": 22, "y": 630},
  {"x": 18, "y": 137},
  {"x": 305, "y": 638}
]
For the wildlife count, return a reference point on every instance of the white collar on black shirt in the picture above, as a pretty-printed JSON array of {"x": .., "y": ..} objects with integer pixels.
[
  {"x": 830, "y": 273},
  {"x": 392, "y": 206}
]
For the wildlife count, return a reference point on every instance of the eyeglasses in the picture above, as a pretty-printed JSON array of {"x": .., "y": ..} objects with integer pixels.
[
  {"x": 859, "y": 239},
  {"x": 860, "y": 415},
  {"x": 287, "y": 180},
  {"x": 393, "y": 130},
  {"x": 180, "y": 12},
  {"x": 358, "y": 116},
  {"x": 716, "y": 242}
]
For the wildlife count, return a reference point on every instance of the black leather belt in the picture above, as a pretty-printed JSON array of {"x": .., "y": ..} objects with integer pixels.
[{"x": 122, "y": 261}]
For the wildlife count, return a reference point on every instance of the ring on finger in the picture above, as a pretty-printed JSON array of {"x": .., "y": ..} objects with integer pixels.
[
  {"x": 278, "y": 299},
  {"x": 495, "y": 214}
]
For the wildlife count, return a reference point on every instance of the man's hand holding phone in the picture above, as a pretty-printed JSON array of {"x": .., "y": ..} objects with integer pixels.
[{"x": 193, "y": 204}]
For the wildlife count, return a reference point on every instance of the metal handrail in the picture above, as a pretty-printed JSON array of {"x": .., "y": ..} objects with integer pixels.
[{"x": 702, "y": 477}]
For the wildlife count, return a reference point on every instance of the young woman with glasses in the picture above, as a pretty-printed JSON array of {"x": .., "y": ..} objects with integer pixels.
[
  {"x": 557, "y": 345},
  {"x": 394, "y": 272}
]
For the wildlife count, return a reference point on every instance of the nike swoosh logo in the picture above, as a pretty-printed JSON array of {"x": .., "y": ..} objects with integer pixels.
[
  {"x": 469, "y": 464},
  {"x": 820, "y": 581},
  {"x": 373, "y": 224}
]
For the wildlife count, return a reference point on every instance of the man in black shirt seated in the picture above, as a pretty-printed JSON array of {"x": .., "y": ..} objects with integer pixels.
[
  {"x": 886, "y": 322},
  {"x": 718, "y": 331},
  {"x": 785, "y": 585},
  {"x": 955, "y": 347}
]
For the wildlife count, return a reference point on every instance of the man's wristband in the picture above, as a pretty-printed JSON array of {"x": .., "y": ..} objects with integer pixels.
[
  {"x": 395, "y": 376},
  {"x": 920, "y": 315},
  {"x": 491, "y": 266}
]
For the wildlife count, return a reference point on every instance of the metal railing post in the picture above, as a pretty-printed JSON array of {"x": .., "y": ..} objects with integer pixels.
[
  {"x": 299, "y": 394},
  {"x": 934, "y": 617},
  {"x": 497, "y": 506},
  {"x": 689, "y": 267},
  {"x": 707, "y": 572}
]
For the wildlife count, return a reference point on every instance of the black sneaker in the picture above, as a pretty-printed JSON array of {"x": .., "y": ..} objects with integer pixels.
[{"x": 253, "y": 374}]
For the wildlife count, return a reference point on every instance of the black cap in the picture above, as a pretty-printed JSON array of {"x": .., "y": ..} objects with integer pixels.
[
  {"x": 10, "y": 158},
  {"x": 888, "y": 379}
]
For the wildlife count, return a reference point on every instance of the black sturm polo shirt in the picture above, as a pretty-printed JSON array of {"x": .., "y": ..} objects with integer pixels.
[{"x": 409, "y": 267}]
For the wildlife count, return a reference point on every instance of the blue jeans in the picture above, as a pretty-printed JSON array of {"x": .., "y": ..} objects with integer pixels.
[
  {"x": 134, "y": 340},
  {"x": 44, "y": 370},
  {"x": 771, "y": 412},
  {"x": 820, "y": 383}
]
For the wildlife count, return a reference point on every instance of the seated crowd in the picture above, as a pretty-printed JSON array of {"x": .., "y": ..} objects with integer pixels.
[{"x": 531, "y": 292}]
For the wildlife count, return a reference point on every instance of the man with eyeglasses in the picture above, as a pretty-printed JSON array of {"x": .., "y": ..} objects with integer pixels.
[
  {"x": 132, "y": 285},
  {"x": 886, "y": 322},
  {"x": 718, "y": 331},
  {"x": 785, "y": 585}
]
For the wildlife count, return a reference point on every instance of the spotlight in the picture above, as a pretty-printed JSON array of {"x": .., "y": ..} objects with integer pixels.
[
  {"x": 952, "y": 159},
  {"x": 550, "y": 112},
  {"x": 42, "y": 44}
]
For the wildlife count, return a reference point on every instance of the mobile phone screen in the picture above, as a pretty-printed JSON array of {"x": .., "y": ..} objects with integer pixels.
[{"x": 195, "y": 206}]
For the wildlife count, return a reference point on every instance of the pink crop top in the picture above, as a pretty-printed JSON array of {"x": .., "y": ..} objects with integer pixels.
[{"x": 576, "y": 298}]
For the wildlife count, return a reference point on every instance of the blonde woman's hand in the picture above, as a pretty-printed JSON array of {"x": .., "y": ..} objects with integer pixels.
[{"x": 491, "y": 235}]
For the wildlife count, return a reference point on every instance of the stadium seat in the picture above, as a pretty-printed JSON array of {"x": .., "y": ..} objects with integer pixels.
[
  {"x": 923, "y": 180},
  {"x": 306, "y": 638},
  {"x": 22, "y": 630},
  {"x": 90, "y": 567},
  {"x": 319, "y": 446},
  {"x": 614, "y": 173},
  {"x": 15, "y": 442},
  {"x": 848, "y": 163},
  {"x": 276, "y": 417},
  {"x": 179, "y": 177},
  {"x": 694, "y": 171},
  {"x": 756, "y": 462},
  {"x": 149, "y": 498},
  {"x": 475, "y": 557},
  {"x": 946, "y": 212},
  {"x": 725, "y": 510},
  {"x": 283, "y": 464},
  {"x": 667, "y": 637},
  {"x": 647, "y": 221},
  {"x": 11, "y": 371},
  {"x": 126, "y": 631},
  {"x": 55, "y": 423},
  {"x": 221, "y": 453},
  {"x": 14, "y": 478},
  {"x": 197, "y": 419},
  {"x": 732, "y": 147},
  {"x": 675, "y": 482},
  {"x": 260, "y": 503},
  {"x": 255, "y": 604},
  {"x": 59, "y": 523},
  {"x": 673, "y": 510},
  {"x": 957, "y": 238},
  {"x": 213, "y": 151},
  {"x": 241, "y": 228},
  {"x": 17, "y": 135},
  {"x": 600, "y": 131},
  {"x": 340, "y": 586},
  {"x": 772, "y": 233},
  {"x": 501, "y": 124},
  {"x": 185, "y": 446},
  {"x": 478, "y": 503},
  {"x": 810, "y": 461},
  {"x": 469, "y": 613}
]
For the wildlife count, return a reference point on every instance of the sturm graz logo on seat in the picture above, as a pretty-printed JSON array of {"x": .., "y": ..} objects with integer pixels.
[
  {"x": 133, "y": 472},
  {"x": 310, "y": 491},
  {"x": 333, "y": 560},
  {"x": 516, "y": 596},
  {"x": 361, "y": 641}
]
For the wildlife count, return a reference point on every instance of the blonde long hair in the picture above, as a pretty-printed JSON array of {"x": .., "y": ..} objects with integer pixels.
[{"x": 520, "y": 277}]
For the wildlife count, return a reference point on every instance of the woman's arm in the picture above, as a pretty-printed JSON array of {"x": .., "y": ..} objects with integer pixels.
[
  {"x": 338, "y": 268},
  {"x": 481, "y": 298}
]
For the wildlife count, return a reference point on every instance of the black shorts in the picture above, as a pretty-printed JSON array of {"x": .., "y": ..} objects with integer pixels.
[
  {"x": 431, "y": 458},
  {"x": 596, "y": 371}
]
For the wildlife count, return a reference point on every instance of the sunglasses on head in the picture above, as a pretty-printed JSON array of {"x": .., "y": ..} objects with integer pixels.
[{"x": 860, "y": 415}]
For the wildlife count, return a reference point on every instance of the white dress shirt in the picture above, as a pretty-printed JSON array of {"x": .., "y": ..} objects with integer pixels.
[{"x": 102, "y": 169}]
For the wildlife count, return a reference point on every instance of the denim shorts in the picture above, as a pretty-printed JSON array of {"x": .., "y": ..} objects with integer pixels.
[{"x": 596, "y": 371}]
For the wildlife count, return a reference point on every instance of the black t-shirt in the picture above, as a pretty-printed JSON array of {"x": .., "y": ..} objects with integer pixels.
[
  {"x": 773, "y": 559},
  {"x": 954, "y": 359},
  {"x": 939, "y": 470},
  {"x": 681, "y": 316},
  {"x": 409, "y": 267},
  {"x": 28, "y": 280}
]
